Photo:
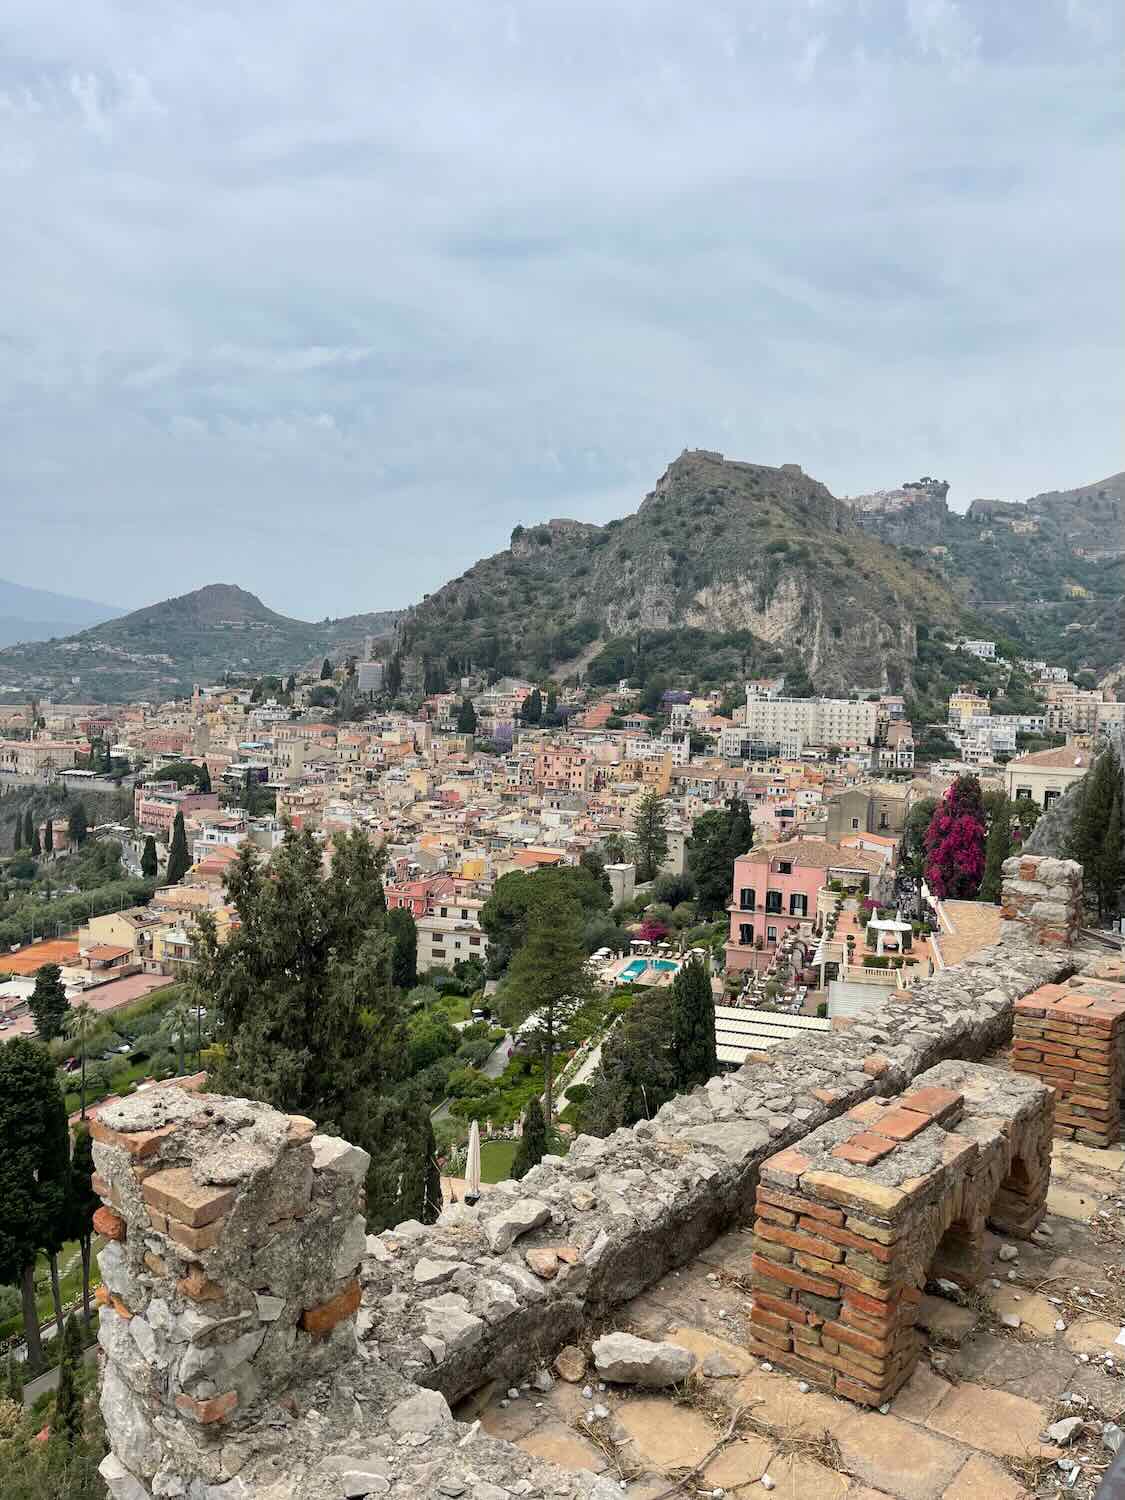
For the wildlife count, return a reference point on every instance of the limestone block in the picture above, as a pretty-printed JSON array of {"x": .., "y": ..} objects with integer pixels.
[
  {"x": 627, "y": 1360},
  {"x": 523, "y": 1216},
  {"x": 330, "y": 1154}
]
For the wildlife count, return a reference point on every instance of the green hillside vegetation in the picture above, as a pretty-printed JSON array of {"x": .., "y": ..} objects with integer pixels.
[
  {"x": 763, "y": 559},
  {"x": 160, "y": 651}
]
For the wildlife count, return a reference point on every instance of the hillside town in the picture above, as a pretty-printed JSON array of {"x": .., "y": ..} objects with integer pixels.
[{"x": 507, "y": 775}]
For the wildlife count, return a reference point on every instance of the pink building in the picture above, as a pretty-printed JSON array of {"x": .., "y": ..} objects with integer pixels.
[
  {"x": 775, "y": 889},
  {"x": 156, "y": 803}
]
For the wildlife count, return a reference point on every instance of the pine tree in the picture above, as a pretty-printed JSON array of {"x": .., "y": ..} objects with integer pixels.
[
  {"x": 325, "y": 670},
  {"x": 76, "y": 825},
  {"x": 694, "y": 1058},
  {"x": 466, "y": 717},
  {"x": 48, "y": 1004},
  {"x": 49, "y": 837},
  {"x": 179, "y": 860},
  {"x": 36, "y": 846},
  {"x": 309, "y": 1018},
  {"x": 533, "y": 1143},
  {"x": 650, "y": 834},
  {"x": 149, "y": 862},
  {"x": 548, "y": 977},
  {"x": 67, "y": 1421},
  {"x": 34, "y": 1171},
  {"x": 204, "y": 778},
  {"x": 997, "y": 848}
]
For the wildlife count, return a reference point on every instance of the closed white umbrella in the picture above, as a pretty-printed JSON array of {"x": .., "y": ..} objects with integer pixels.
[{"x": 472, "y": 1165}]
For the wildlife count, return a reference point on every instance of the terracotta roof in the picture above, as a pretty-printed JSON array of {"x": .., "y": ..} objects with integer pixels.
[
  {"x": 106, "y": 951},
  {"x": 1067, "y": 758},
  {"x": 815, "y": 854}
]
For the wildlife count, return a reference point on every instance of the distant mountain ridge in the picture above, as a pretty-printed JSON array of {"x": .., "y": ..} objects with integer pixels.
[
  {"x": 160, "y": 651},
  {"x": 764, "y": 556},
  {"x": 30, "y": 614},
  {"x": 1049, "y": 571}
]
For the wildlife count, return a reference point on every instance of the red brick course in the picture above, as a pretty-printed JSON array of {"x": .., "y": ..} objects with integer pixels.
[{"x": 1073, "y": 1037}]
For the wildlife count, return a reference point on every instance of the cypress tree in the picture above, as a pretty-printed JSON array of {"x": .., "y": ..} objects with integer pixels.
[
  {"x": 76, "y": 825},
  {"x": 28, "y": 828},
  {"x": 533, "y": 1143},
  {"x": 466, "y": 717},
  {"x": 325, "y": 670},
  {"x": 82, "y": 1205},
  {"x": 204, "y": 778},
  {"x": 48, "y": 1004},
  {"x": 49, "y": 837},
  {"x": 36, "y": 846},
  {"x": 532, "y": 710},
  {"x": 179, "y": 860},
  {"x": 149, "y": 862},
  {"x": 404, "y": 930},
  {"x": 997, "y": 848},
  {"x": 1090, "y": 842},
  {"x": 694, "y": 1058},
  {"x": 67, "y": 1421},
  {"x": 15, "y": 1380},
  {"x": 34, "y": 1171}
]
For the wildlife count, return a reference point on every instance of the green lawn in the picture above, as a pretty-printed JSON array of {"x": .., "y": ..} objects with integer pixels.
[{"x": 496, "y": 1158}]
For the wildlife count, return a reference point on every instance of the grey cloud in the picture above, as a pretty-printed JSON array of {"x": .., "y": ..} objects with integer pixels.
[{"x": 330, "y": 297}]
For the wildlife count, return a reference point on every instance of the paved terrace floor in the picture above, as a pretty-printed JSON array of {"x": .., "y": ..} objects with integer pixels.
[{"x": 967, "y": 1426}]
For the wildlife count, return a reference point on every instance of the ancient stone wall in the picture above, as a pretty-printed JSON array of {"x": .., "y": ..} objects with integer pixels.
[
  {"x": 1073, "y": 1037},
  {"x": 1045, "y": 895},
  {"x": 360, "y": 1407}
]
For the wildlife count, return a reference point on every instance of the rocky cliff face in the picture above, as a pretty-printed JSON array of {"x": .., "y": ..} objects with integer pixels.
[{"x": 717, "y": 545}]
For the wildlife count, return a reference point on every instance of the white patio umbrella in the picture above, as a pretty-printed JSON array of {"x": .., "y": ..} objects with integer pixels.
[{"x": 472, "y": 1165}]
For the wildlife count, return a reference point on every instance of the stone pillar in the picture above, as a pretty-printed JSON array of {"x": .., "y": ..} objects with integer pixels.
[
  {"x": 233, "y": 1240},
  {"x": 853, "y": 1221},
  {"x": 1046, "y": 894},
  {"x": 1072, "y": 1036}
]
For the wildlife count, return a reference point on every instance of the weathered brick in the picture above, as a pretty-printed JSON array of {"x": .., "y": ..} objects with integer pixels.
[
  {"x": 788, "y": 1276},
  {"x": 799, "y": 1205},
  {"x": 176, "y": 1193},
  {"x": 138, "y": 1143},
  {"x": 110, "y": 1225},
  {"x": 322, "y": 1319},
  {"x": 795, "y": 1240},
  {"x": 206, "y": 1412}
]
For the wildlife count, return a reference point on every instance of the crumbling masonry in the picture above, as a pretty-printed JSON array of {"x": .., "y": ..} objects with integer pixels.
[{"x": 259, "y": 1347}]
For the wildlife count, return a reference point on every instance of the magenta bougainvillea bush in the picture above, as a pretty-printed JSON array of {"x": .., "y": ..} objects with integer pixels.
[
  {"x": 653, "y": 932},
  {"x": 954, "y": 842}
]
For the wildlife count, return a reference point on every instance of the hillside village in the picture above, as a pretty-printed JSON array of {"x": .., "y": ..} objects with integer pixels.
[{"x": 497, "y": 775}]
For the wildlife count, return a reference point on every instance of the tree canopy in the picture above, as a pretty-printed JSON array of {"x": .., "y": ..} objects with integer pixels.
[
  {"x": 694, "y": 1059},
  {"x": 650, "y": 835},
  {"x": 504, "y": 914},
  {"x": 310, "y": 1019},
  {"x": 179, "y": 860},
  {"x": 954, "y": 842},
  {"x": 717, "y": 839},
  {"x": 48, "y": 1004}
]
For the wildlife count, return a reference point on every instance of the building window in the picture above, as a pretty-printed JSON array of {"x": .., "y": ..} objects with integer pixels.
[
  {"x": 855, "y": 824},
  {"x": 746, "y": 933},
  {"x": 771, "y": 934},
  {"x": 1023, "y": 794},
  {"x": 746, "y": 898},
  {"x": 474, "y": 942},
  {"x": 464, "y": 914},
  {"x": 883, "y": 823},
  {"x": 798, "y": 906},
  {"x": 773, "y": 902},
  {"x": 445, "y": 911},
  {"x": 784, "y": 867},
  {"x": 1049, "y": 797}
]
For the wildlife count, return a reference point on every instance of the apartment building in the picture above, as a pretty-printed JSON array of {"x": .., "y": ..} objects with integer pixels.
[
  {"x": 563, "y": 768},
  {"x": 156, "y": 803},
  {"x": 449, "y": 931},
  {"x": 817, "y": 721}
]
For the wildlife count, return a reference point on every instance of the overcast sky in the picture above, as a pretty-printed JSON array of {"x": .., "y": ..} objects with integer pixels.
[{"x": 322, "y": 299}]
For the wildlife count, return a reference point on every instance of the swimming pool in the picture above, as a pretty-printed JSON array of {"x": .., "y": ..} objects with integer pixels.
[{"x": 633, "y": 972}]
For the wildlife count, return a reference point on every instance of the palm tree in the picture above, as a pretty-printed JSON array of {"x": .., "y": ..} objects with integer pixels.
[
  {"x": 179, "y": 1019},
  {"x": 79, "y": 1023}
]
